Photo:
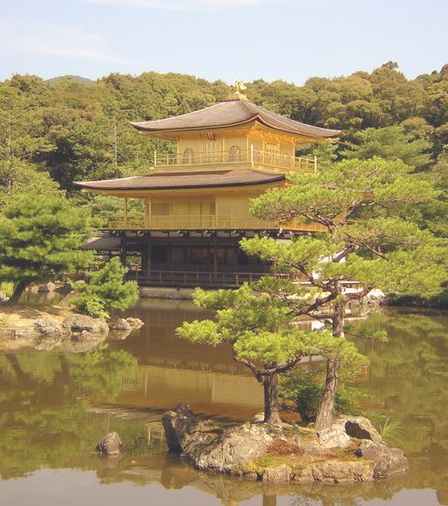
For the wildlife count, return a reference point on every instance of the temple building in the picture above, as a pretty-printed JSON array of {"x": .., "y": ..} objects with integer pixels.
[{"x": 182, "y": 222}]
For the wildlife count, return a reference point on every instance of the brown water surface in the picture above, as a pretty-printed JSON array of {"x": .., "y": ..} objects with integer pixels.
[{"x": 54, "y": 407}]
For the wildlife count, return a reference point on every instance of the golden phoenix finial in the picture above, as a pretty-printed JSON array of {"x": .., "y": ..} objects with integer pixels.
[{"x": 239, "y": 88}]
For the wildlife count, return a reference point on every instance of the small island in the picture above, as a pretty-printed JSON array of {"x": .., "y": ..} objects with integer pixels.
[{"x": 350, "y": 450}]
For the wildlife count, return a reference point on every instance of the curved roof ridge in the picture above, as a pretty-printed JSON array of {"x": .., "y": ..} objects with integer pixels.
[
  {"x": 179, "y": 116},
  {"x": 232, "y": 113}
]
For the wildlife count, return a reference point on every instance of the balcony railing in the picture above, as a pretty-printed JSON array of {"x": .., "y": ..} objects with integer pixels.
[
  {"x": 195, "y": 278},
  {"x": 191, "y": 222},
  {"x": 218, "y": 279},
  {"x": 252, "y": 156}
]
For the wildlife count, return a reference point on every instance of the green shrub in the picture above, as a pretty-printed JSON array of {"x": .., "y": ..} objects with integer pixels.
[
  {"x": 305, "y": 389},
  {"x": 105, "y": 291}
]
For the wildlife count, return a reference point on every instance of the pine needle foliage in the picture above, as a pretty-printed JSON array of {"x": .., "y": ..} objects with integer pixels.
[
  {"x": 40, "y": 239},
  {"x": 106, "y": 291}
]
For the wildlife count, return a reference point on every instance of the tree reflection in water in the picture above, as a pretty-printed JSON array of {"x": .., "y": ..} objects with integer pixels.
[{"x": 46, "y": 419}]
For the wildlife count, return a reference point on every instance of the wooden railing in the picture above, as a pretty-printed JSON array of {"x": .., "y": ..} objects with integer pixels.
[
  {"x": 194, "y": 278},
  {"x": 217, "y": 279},
  {"x": 252, "y": 156},
  {"x": 191, "y": 222}
]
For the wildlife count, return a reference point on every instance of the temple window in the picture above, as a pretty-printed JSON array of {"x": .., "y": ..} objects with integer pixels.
[
  {"x": 187, "y": 156},
  {"x": 272, "y": 148},
  {"x": 212, "y": 150},
  {"x": 234, "y": 154}
]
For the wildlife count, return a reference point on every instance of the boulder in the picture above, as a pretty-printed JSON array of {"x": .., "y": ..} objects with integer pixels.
[
  {"x": 258, "y": 417},
  {"x": 84, "y": 327},
  {"x": 178, "y": 425},
  {"x": 110, "y": 445},
  {"x": 125, "y": 324},
  {"x": 120, "y": 324},
  {"x": 47, "y": 287},
  {"x": 211, "y": 447},
  {"x": 342, "y": 471},
  {"x": 340, "y": 434},
  {"x": 135, "y": 323},
  {"x": 387, "y": 461},
  {"x": 47, "y": 327},
  {"x": 277, "y": 474}
]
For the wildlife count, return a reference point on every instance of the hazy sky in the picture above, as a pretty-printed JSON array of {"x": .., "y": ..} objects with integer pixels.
[{"x": 221, "y": 39}]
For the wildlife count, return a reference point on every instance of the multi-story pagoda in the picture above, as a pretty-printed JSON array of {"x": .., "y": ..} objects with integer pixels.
[{"x": 195, "y": 202}]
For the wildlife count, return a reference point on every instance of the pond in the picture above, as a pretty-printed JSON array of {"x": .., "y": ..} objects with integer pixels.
[{"x": 54, "y": 407}]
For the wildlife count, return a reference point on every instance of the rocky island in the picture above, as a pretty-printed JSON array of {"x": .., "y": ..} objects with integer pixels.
[{"x": 351, "y": 450}]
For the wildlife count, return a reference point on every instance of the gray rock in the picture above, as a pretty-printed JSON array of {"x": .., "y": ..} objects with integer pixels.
[
  {"x": 135, "y": 323},
  {"x": 258, "y": 417},
  {"x": 47, "y": 287},
  {"x": 120, "y": 324},
  {"x": 50, "y": 328},
  {"x": 387, "y": 461},
  {"x": 334, "y": 437},
  {"x": 85, "y": 327},
  {"x": 110, "y": 445},
  {"x": 360, "y": 427},
  {"x": 340, "y": 434},
  {"x": 178, "y": 426},
  {"x": 209, "y": 446},
  {"x": 277, "y": 474},
  {"x": 342, "y": 471}
]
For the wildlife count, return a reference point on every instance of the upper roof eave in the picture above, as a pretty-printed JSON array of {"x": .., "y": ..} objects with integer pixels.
[
  {"x": 148, "y": 130},
  {"x": 236, "y": 113}
]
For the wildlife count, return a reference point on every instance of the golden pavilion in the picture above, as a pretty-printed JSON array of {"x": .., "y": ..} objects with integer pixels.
[{"x": 195, "y": 201}]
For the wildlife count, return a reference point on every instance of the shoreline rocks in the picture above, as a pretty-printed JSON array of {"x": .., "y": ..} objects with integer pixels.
[
  {"x": 30, "y": 328},
  {"x": 350, "y": 451}
]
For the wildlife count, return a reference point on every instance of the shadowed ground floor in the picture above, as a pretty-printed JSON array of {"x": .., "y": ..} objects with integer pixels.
[{"x": 183, "y": 258}]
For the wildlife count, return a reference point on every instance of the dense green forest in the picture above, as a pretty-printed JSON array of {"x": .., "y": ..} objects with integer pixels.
[{"x": 62, "y": 130}]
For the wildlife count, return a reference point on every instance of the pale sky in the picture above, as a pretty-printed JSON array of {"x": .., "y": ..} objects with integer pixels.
[{"x": 221, "y": 39}]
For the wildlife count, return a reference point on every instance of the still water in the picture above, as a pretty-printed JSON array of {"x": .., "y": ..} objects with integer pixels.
[{"x": 54, "y": 407}]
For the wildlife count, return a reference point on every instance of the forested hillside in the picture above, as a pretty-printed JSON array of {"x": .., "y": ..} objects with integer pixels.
[{"x": 67, "y": 129}]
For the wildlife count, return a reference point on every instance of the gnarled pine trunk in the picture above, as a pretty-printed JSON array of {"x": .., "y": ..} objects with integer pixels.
[
  {"x": 326, "y": 409},
  {"x": 271, "y": 405}
]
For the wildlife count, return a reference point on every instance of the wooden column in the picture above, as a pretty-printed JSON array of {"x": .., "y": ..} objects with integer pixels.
[
  {"x": 126, "y": 213},
  {"x": 147, "y": 254},
  {"x": 147, "y": 208}
]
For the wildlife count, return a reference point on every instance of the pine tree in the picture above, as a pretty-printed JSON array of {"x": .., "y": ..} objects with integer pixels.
[
  {"x": 264, "y": 334},
  {"x": 363, "y": 208},
  {"x": 40, "y": 239},
  {"x": 106, "y": 291}
]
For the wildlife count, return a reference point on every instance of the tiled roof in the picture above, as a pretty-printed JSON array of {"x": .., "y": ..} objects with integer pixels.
[
  {"x": 167, "y": 181},
  {"x": 233, "y": 113}
]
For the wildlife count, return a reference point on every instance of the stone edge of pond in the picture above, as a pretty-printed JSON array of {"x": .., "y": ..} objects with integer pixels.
[{"x": 30, "y": 328}]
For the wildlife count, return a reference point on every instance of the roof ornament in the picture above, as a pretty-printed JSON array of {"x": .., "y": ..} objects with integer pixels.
[{"x": 238, "y": 94}]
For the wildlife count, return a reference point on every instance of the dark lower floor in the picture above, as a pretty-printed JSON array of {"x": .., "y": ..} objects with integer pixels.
[{"x": 182, "y": 261}]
